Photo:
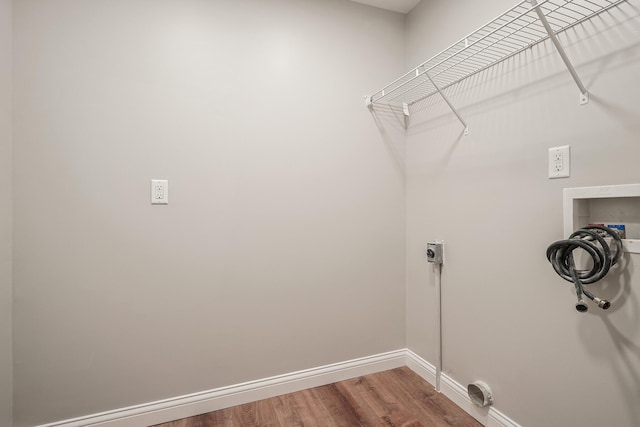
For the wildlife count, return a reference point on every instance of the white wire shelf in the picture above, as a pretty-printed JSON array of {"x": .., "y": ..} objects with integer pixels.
[{"x": 521, "y": 27}]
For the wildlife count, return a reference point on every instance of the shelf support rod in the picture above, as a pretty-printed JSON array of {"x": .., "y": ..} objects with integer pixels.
[
  {"x": 584, "y": 94},
  {"x": 466, "y": 127}
]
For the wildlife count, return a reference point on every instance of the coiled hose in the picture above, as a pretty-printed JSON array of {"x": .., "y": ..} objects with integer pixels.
[{"x": 591, "y": 240}]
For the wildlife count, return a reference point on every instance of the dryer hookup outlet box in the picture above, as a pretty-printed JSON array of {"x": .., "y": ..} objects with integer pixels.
[{"x": 435, "y": 252}]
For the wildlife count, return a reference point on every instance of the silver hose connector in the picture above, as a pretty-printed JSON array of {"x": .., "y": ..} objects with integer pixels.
[{"x": 602, "y": 303}]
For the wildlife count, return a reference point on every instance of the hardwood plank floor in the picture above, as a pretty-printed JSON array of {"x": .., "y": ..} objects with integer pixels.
[{"x": 398, "y": 397}]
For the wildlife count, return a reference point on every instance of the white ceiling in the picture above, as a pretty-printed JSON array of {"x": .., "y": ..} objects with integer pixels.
[{"x": 402, "y": 6}]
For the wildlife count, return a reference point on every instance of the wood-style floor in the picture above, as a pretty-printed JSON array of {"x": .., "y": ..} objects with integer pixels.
[{"x": 398, "y": 397}]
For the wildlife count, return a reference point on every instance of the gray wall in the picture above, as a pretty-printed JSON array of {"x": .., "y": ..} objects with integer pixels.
[
  {"x": 282, "y": 247},
  {"x": 508, "y": 319},
  {"x": 6, "y": 376}
]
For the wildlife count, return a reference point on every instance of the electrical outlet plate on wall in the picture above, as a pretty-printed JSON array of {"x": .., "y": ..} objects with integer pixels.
[
  {"x": 159, "y": 192},
  {"x": 560, "y": 162}
]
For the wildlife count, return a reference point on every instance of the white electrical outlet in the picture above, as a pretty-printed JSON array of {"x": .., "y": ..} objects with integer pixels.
[
  {"x": 159, "y": 192},
  {"x": 560, "y": 162}
]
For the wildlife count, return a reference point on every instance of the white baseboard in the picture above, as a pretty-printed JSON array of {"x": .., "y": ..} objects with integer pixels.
[
  {"x": 421, "y": 367},
  {"x": 225, "y": 397},
  {"x": 489, "y": 417}
]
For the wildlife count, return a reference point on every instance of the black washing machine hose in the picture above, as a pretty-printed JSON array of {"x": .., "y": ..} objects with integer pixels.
[{"x": 591, "y": 239}]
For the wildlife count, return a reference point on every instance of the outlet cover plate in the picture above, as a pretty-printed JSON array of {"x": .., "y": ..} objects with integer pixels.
[
  {"x": 560, "y": 162},
  {"x": 159, "y": 192}
]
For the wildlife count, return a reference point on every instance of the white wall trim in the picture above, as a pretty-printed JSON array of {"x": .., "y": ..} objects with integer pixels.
[
  {"x": 224, "y": 397},
  {"x": 489, "y": 417},
  {"x": 421, "y": 367}
]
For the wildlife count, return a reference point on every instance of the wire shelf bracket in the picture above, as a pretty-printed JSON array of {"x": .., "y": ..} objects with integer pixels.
[
  {"x": 466, "y": 127},
  {"x": 584, "y": 94},
  {"x": 520, "y": 28}
]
